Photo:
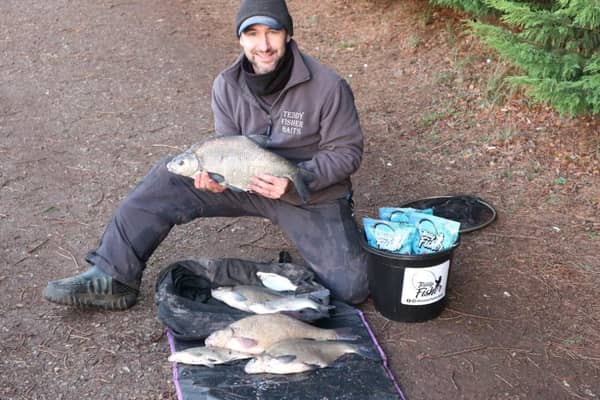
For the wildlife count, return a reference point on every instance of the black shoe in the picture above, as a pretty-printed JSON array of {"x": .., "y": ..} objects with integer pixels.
[{"x": 92, "y": 288}]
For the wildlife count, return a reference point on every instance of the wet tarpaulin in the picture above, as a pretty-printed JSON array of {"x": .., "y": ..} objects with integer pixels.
[{"x": 185, "y": 306}]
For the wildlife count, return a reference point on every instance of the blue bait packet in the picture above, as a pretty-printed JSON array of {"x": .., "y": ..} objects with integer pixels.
[
  {"x": 396, "y": 214},
  {"x": 433, "y": 233},
  {"x": 390, "y": 236}
]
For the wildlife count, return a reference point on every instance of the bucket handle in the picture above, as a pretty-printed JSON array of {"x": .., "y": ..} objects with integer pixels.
[
  {"x": 431, "y": 222},
  {"x": 396, "y": 212},
  {"x": 384, "y": 224}
]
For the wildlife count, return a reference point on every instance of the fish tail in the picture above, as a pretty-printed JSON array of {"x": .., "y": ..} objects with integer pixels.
[
  {"x": 299, "y": 181},
  {"x": 323, "y": 308},
  {"x": 367, "y": 352}
]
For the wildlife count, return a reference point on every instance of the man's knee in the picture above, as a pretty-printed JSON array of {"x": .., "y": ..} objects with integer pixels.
[
  {"x": 355, "y": 293},
  {"x": 349, "y": 282}
]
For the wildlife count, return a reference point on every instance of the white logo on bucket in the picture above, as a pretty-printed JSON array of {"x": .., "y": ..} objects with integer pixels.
[{"x": 425, "y": 285}]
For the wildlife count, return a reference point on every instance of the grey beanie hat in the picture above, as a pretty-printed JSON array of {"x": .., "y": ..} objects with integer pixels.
[{"x": 276, "y": 9}]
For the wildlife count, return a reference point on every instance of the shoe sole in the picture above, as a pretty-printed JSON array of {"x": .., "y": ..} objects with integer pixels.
[{"x": 107, "y": 302}]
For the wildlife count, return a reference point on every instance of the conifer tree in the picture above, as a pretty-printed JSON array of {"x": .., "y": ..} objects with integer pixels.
[
  {"x": 475, "y": 7},
  {"x": 556, "y": 45}
]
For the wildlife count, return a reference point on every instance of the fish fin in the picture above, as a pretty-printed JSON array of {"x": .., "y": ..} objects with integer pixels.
[
  {"x": 301, "y": 187},
  {"x": 193, "y": 147},
  {"x": 263, "y": 308},
  {"x": 345, "y": 334},
  {"x": 209, "y": 365},
  {"x": 306, "y": 175},
  {"x": 368, "y": 353},
  {"x": 312, "y": 367},
  {"x": 216, "y": 177},
  {"x": 261, "y": 140},
  {"x": 244, "y": 342},
  {"x": 235, "y": 188},
  {"x": 324, "y": 308},
  {"x": 316, "y": 299},
  {"x": 285, "y": 359},
  {"x": 238, "y": 296}
]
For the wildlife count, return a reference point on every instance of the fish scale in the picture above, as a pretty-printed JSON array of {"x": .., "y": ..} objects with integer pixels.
[
  {"x": 261, "y": 300},
  {"x": 255, "y": 333},
  {"x": 300, "y": 355},
  {"x": 233, "y": 160}
]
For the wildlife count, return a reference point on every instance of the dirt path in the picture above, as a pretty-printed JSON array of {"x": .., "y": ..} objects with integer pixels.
[{"x": 92, "y": 93}]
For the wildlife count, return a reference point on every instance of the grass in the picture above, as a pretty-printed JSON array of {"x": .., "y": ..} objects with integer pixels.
[
  {"x": 312, "y": 19},
  {"x": 347, "y": 44},
  {"x": 451, "y": 33},
  {"x": 573, "y": 340},
  {"x": 497, "y": 89},
  {"x": 414, "y": 41},
  {"x": 427, "y": 16},
  {"x": 429, "y": 119},
  {"x": 434, "y": 136},
  {"x": 560, "y": 181},
  {"x": 533, "y": 172},
  {"x": 445, "y": 78},
  {"x": 553, "y": 199},
  {"x": 507, "y": 133}
]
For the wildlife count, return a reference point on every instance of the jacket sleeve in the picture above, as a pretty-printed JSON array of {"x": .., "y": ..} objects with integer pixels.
[
  {"x": 341, "y": 144},
  {"x": 222, "y": 109}
]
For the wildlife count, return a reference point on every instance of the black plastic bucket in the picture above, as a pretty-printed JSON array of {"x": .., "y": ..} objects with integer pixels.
[{"x": 408, "y": 288}]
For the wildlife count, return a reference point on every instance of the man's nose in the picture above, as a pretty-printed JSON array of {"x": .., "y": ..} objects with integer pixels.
[{"x": 264, "y": 43}]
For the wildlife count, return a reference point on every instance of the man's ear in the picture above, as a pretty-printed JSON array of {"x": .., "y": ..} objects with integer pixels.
[{"x": 287, "y": 38}]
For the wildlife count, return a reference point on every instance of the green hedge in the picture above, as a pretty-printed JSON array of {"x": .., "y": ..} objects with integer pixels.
[{"x": 555, "y": 45}]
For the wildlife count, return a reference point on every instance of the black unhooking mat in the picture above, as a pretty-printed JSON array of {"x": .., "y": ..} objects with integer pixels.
[{"x": 191, "y": 314}]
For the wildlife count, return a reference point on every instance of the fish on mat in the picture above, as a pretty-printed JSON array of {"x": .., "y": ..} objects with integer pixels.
[
  {"x": 276, "y": 282},
  {"x": 261, "y": 300},
  {"x": 255, "y": 333},
  {"x": 207, "y": 356},
  {"x": 233, "y": 160},
  {"x": 299, "y": 355}
]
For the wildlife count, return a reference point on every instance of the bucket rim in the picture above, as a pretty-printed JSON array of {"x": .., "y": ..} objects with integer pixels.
[
  {"x": 482, "y": 202},
  {"x": 406, "y": 257}
]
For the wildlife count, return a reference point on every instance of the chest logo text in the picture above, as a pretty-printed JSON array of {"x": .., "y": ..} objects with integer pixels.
[{"x": 292, "y": 122}]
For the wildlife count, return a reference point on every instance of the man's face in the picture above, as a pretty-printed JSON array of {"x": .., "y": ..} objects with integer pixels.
[{"x": 264, "y": 47}]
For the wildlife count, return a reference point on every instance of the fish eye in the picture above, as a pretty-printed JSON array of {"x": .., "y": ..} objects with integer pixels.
[{"x": 180, "y": 162}]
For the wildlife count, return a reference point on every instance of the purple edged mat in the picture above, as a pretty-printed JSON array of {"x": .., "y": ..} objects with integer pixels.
[{"x": 350, "y": 378}]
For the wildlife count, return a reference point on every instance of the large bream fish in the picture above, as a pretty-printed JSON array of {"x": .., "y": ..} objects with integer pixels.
[
  {"x": 260, "y": 300},
  {"x": 233, "y": 160},
  {"x": 300, "y": 355},
  {"x": 255, "y": 333}
]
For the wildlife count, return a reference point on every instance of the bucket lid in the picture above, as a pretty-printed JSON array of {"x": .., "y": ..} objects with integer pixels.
[{"x": 472, "y": 212}]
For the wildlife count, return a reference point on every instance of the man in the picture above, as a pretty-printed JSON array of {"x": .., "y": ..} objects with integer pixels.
[{"x": 308, "y": 113}]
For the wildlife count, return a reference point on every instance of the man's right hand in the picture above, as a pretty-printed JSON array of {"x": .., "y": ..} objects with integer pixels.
[{"x": 204, "y": 182}]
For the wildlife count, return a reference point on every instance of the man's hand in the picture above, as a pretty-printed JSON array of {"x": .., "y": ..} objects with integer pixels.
[
  {"x": 269, "y": 186},
  {"x": 204, "y": 182}
]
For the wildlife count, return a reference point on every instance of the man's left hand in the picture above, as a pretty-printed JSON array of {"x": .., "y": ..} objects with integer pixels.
[{"x": 269, "y": 186}]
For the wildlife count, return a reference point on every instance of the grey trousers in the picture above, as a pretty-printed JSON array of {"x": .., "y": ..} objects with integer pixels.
[{"x": 325, "y": 234}]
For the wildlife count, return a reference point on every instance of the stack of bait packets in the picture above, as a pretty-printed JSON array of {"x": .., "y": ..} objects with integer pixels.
[{"x": 410, "y": 231}]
